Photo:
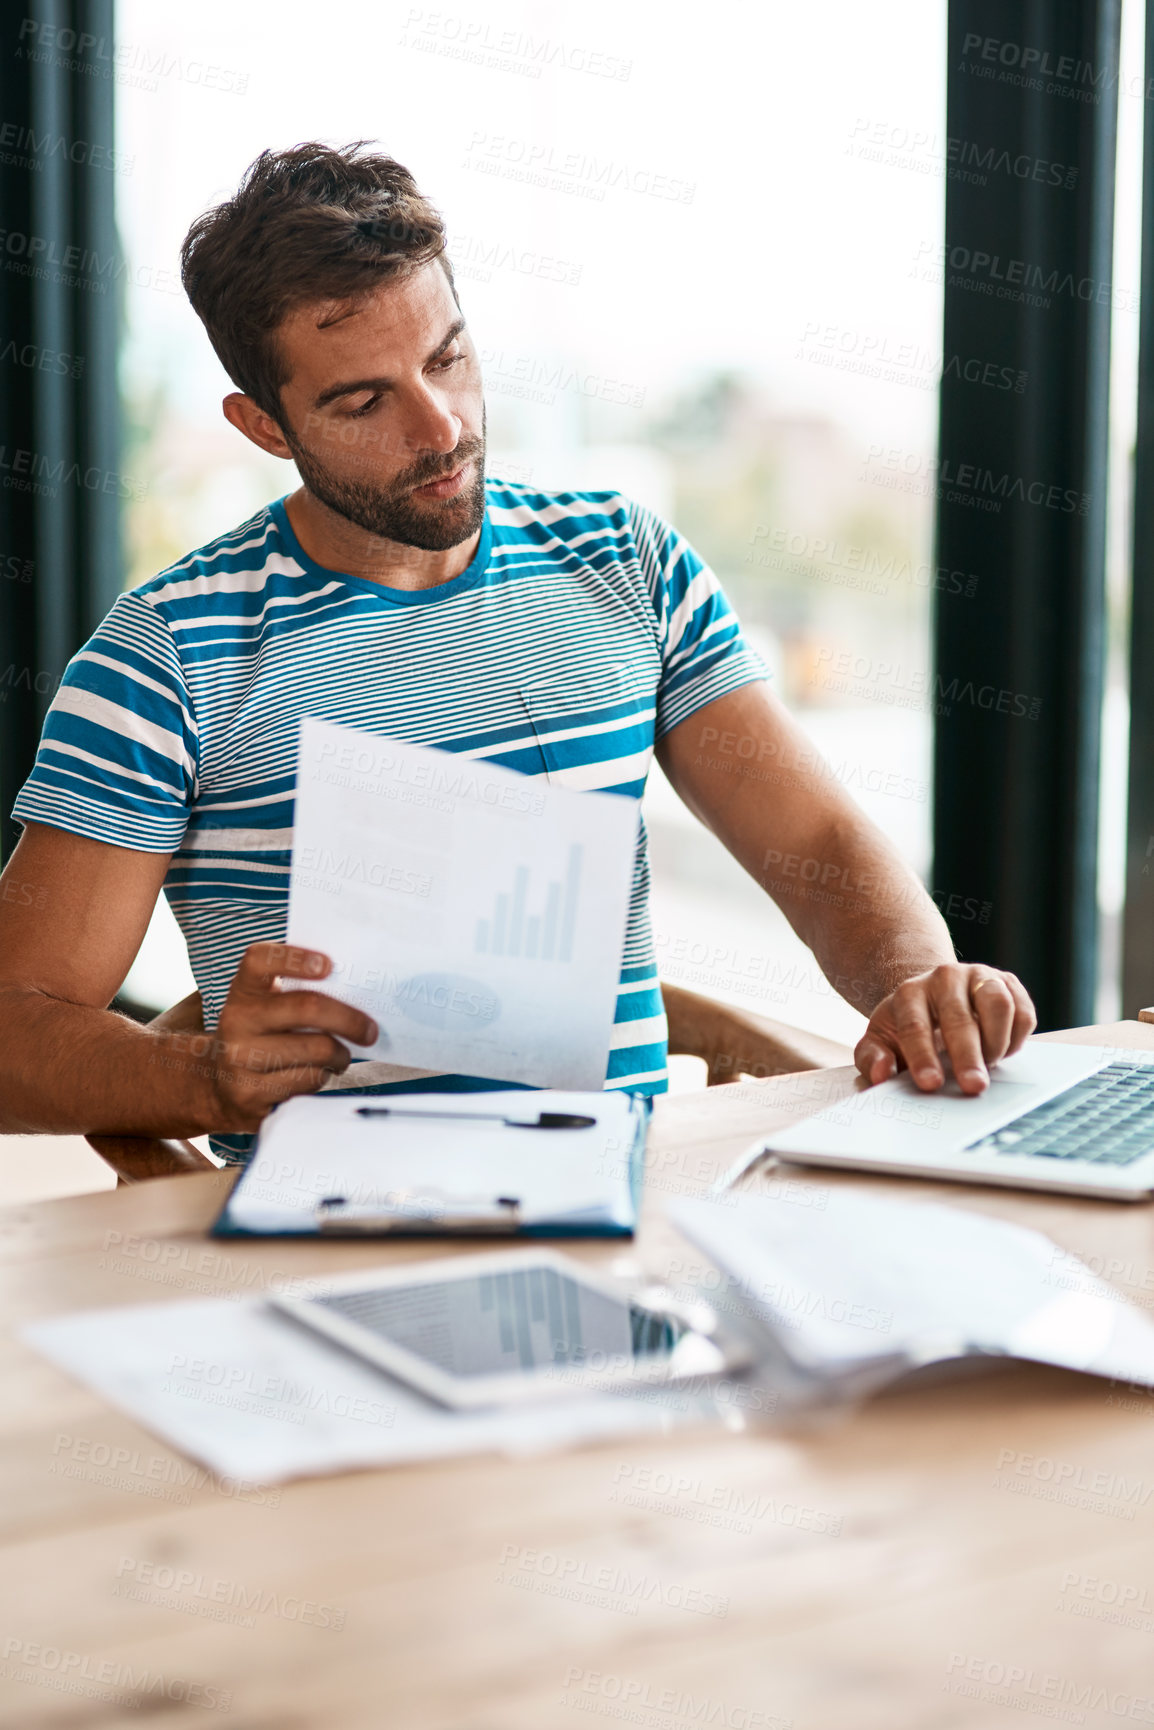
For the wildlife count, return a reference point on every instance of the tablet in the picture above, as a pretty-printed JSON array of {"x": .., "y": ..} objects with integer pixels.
[{"x": 492, "y": 1329}]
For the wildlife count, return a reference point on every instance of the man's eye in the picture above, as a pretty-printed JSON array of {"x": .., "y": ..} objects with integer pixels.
[
  {"x": 449, "y": 360},
  {"x": 366, "y": 408}
]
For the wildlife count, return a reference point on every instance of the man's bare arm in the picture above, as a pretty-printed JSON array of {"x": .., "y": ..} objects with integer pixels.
[
  {"x": 72, "y": 916},
  {"x": 749, "y": 772}
]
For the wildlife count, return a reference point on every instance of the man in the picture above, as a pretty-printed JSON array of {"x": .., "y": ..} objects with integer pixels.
[{"x": 561, "y": 634}]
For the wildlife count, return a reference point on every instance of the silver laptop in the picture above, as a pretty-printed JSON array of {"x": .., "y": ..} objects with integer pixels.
[{"x": 1056, "y": 1117}]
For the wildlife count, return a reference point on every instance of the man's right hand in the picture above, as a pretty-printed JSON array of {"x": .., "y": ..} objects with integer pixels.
[
  {"x": 73, "y": 914},
  {"x": 270, "y": 1044}
]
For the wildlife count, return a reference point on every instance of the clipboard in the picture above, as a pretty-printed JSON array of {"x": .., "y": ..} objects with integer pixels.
[{"x": 528, "y": 1163}]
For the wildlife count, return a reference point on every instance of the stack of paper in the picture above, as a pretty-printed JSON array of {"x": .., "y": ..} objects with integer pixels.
[
  {"x": 846, "y": 1298},
  {"x": 868, "y": 1281}
]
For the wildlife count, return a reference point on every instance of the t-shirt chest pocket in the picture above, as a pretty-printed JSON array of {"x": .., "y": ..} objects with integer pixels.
[{"x": 592, "y": 732}]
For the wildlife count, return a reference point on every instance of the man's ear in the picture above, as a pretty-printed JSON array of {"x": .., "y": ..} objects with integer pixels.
[{"x": 247, "y": 417}]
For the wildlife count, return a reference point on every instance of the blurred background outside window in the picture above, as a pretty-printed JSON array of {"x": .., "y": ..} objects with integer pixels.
[{"x": 702, "y": 265}]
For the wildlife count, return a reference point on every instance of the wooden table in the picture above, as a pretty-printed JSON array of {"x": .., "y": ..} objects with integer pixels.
[{"x": 947, "y": 1557}]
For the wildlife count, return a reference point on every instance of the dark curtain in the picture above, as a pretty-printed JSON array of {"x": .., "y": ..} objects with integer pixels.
[
  {"x": 62, "y": 482},
  {"x": 1138, "y": 926},
  {"x": 1032, "y": 103}
]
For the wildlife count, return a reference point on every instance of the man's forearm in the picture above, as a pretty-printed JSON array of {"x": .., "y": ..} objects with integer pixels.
[
  {"x": 847, "y": 893},
  {"x": 859, "y": 907},
  {"x": 71, "y": 1069}
]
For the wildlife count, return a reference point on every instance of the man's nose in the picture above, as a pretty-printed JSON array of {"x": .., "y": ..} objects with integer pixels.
[{"x": 431, "y": 425}]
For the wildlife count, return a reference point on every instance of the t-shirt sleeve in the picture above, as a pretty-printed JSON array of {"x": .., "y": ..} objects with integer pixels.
[
  {"x": 703, "y": 652},
  {"x": 118, "y": 755}
]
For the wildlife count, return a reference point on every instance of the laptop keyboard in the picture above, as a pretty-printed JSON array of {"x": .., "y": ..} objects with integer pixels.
[{"x": 1108, "y": 1119}]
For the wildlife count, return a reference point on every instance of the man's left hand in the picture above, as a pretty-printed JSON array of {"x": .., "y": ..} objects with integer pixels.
[{"x": 975, "y": 1014}]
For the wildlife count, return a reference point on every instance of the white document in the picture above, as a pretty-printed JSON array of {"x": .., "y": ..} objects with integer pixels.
[
  {"x": 866, "y": 1277},
  {"x": 258, "y": 1399},
  {"x": 320, "y": 1145},
  {"x": 477, "y": 915}
]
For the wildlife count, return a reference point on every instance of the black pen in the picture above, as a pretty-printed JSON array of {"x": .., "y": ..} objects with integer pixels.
[{"x": 543, "y": 1120}]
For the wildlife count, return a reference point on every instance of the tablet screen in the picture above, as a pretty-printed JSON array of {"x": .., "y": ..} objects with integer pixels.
[{"x": 510, "y": 1323}]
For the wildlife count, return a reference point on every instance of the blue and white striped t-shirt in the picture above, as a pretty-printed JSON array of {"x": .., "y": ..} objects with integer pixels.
[{"x": 584, "y": 629}]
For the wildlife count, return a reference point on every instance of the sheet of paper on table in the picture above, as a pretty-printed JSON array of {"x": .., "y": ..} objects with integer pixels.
[
  {"x": 851, "y": 1295},
  {"x": 478, "y": 915},
  {"x": 865, "y": 1277},
  {"x": 258, "y": 1399}
]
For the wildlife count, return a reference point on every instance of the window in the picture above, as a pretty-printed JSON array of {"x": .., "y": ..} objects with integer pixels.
[{"x": 699, "y": 263}]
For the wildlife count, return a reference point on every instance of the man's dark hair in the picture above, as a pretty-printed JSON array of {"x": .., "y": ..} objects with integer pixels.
[{"x": 310, "y": 223}]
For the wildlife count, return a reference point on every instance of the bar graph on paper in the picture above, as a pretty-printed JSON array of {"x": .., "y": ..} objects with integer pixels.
[{"x": 544, "y": 934}]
